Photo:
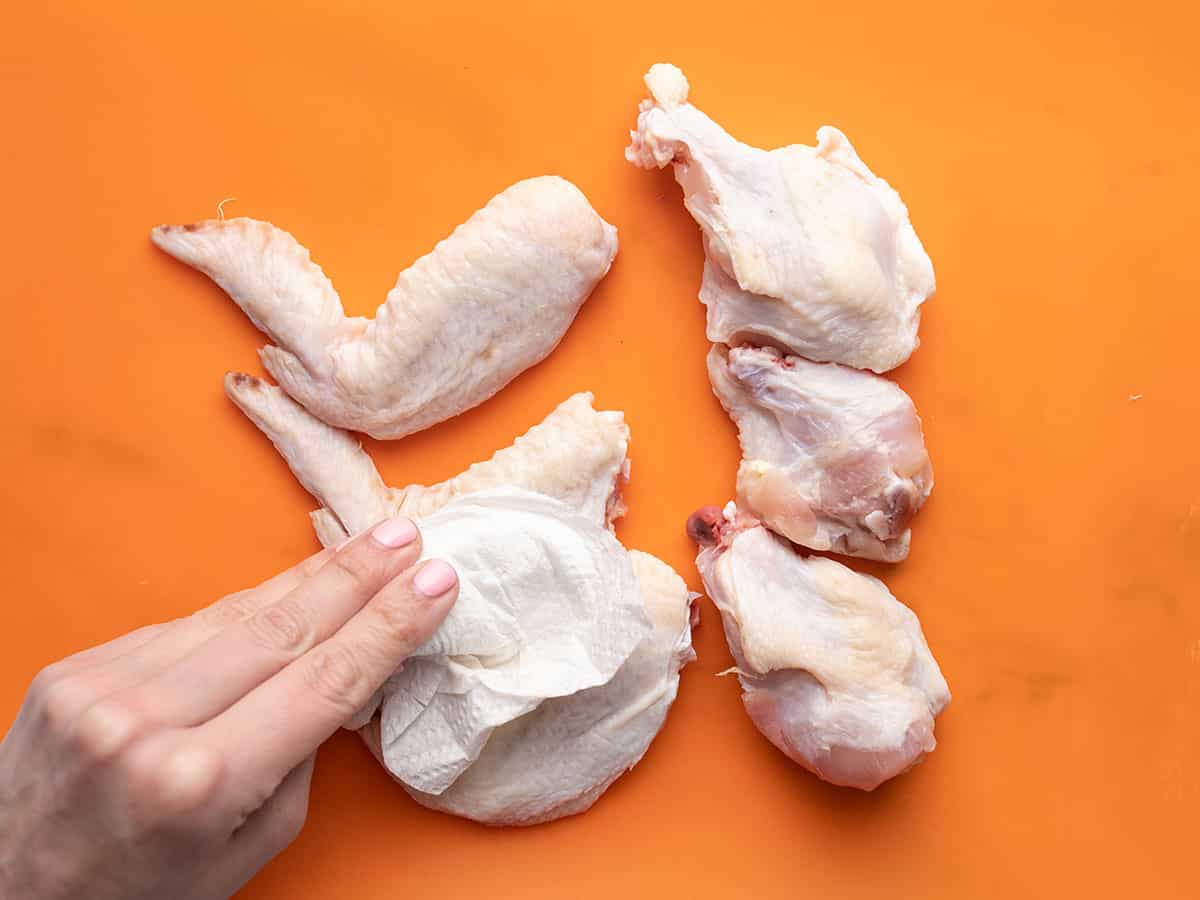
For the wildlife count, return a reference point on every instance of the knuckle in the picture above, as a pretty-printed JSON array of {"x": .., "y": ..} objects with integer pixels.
[
  {"x": 45, "y": 679},
  {"x": 229, "y": 610},
  {"x": 357, "y": 570},
  {"x": 61, "y": 700},
  {"x": 311, "y": 566},
  {"x": 336, "y": 675},
  {"x": 104, "y": 729},
  {"x": 174, "y": 782},
  {"x": 281, "y": 627},
  {"x": 397, "y": 623}
]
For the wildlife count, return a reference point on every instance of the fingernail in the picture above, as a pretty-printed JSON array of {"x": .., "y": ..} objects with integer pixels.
[
  {"x": 435, "y": 578},
  {"x": 397, "y": 532}
]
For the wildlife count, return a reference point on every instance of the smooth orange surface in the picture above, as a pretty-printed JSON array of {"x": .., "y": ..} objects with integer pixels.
[{"x": 1050, "y": 160}]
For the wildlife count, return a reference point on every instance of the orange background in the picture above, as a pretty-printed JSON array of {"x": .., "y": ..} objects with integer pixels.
[{"x": 1050, "y": 161}]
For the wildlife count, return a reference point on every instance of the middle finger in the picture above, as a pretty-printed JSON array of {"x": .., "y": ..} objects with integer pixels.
[
  {"x": 134, "y": 658},
  {"x": 237, "y": 659}
]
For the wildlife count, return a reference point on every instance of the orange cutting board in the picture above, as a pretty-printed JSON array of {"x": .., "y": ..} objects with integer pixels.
[{"x": 1050, "y": 160}]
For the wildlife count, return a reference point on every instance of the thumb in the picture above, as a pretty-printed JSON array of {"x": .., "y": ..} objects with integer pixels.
[{"x": 268, "y": 831}]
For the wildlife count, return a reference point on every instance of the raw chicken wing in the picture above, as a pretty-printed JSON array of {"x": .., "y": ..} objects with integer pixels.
[
  {"x": 834, "y": 670},
  {"x": 490, "y": 301},
  {"x": 557, "y": 760},
  {"x": 833, "y": 457},
  {"x": 548, "y": 607},
  {"x": 575, "y": 454},
  {"x": 805, "y": 247}
]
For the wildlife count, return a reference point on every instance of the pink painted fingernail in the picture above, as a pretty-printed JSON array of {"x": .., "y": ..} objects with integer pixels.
[
  {"x": 397, "y": 532},
  {"x": 435, "y": 578}
]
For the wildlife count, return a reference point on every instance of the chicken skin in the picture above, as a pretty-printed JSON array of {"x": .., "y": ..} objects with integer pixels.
[
  {"x": 557, "y": 760},
  {"x": 576, "y": 455},
  {"x": 558, "y": 757},
  {"x": 490, "y": 301},
  {"x": 833, "y": 458},
  {"x": 835, "y": 671},
  {"x": 805, "y": 248}
]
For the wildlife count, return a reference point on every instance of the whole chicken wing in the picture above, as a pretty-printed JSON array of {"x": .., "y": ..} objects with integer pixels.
[
  {"x": 559, "y": 757},
  {"x": 557, "y": 760},
  {"x": 490, "y": 301}
]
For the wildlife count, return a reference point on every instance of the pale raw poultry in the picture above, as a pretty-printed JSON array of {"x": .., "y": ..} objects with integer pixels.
[
  {"x": 487, "y": 303},
  {"x": 576, "y": 454},
  {"x": 557, "y": 758},
  {"x": 805, "y": 248},
  {"x": 834, "y": 670},
  {"x": 833, "y": 458}
]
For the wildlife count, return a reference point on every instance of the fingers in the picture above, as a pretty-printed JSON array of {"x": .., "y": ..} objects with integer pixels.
[
  {"x": 227, "y": 609},
  {"x": 134, "y": 658},
  {"x": 117, "y": 647},
  {"x": 63, "y": 690},
  {"x": 290, "y": 715},
  {"x": 235, "y": 660},
  {"x": 235, "y": 607}
]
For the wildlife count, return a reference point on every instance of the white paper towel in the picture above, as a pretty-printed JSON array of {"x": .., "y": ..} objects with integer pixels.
[{"x": 548, "y": 605}]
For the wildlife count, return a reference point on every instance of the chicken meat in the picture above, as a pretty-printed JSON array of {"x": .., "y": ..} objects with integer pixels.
[
  {"x": 557, "y": 757},
  {"x": 548, "y": 606},
  {"x": 576, "y": 454},
  {"x": 833, "y": 458},
  {"x": 557, "y": 760},
  {"x": 487, "y": 303},
  {"x": 834, "y": 670},
  {"x": 805, "y": 248}
]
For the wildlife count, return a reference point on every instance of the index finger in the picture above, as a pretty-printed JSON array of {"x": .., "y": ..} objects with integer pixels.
[
  {"x": 290, "y": 715},
  {"x": 251, "y": 651}
]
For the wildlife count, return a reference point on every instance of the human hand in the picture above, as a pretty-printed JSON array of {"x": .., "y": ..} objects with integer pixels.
[{"x": 175, "y": 761}]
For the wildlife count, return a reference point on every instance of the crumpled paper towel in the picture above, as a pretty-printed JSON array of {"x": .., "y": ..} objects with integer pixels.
[{"x": 548, "y": 605}]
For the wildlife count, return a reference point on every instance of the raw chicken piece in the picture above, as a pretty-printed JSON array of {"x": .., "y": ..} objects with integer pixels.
[
  {"x": 834, "y": 670},
  {"x": 581, "y": 743},
  {"x": 557, "y": 760},
  {"x": 490, "y": 301},
  {"x": 805, "y": 247},
  {"x": 575, "y": 454},
  {"x": 833, "y": 457}
]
